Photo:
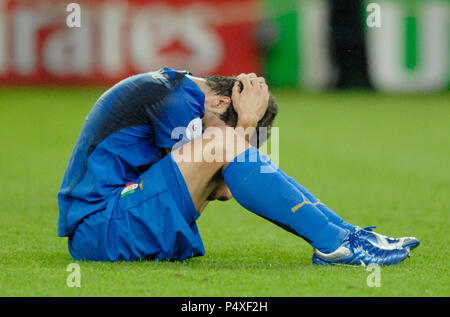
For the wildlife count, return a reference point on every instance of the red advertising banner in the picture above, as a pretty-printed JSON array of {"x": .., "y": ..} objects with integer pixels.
[{"x": 40, "y": 41}]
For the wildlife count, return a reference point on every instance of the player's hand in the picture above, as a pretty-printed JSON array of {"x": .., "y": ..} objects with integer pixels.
[{"x": 251, "y": 103}]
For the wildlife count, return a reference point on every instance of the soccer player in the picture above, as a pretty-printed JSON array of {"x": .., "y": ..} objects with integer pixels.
[{"x": 158, "y": 146}]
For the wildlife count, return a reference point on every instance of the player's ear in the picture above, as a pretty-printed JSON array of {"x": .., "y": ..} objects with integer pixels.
[{"x": 223, "y": 103}]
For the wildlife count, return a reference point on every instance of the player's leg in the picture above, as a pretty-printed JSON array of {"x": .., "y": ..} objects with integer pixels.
[
  {"x": 261, "y": 187},
  {"x": 269, "y": 195}
]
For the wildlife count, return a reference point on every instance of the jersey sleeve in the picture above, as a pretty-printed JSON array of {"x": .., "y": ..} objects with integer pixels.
[{"x": 178, "y": 116}]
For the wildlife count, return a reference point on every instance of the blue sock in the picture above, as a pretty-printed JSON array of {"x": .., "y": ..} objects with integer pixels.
[
  {"x": 257, "y": 185},
  {"x": 330, "y": 214}
]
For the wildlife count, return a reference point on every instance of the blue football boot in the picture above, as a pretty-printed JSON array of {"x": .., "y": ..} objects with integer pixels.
[
  {"x": 387, "y": 242},
  {"x": 356, "y": 250}
]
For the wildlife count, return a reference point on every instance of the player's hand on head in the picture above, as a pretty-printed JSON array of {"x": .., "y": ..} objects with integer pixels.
[
  {"x": 252, "y": 101},
  {"x": 251, "y": 75}
]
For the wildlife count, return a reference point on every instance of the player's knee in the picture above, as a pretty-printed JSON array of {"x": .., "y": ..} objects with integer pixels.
[
  {"x": 225, "y": 141},
  {"x": 217, "y": 144}
]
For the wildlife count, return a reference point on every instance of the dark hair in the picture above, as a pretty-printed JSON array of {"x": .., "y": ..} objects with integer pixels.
[{"x": 223, "y": 86}]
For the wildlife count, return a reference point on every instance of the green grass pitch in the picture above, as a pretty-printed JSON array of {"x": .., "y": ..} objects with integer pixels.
[{"x": 376, "y": 159}]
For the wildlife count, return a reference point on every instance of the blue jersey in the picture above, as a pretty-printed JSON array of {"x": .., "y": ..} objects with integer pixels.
[{"x": 125, "y": 133}]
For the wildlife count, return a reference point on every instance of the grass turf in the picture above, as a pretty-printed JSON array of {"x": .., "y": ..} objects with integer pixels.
[{"x": 376, "y": 159}]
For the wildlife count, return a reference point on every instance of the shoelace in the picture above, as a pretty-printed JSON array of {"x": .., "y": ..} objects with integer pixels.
[{"x": 389, "y": 239}]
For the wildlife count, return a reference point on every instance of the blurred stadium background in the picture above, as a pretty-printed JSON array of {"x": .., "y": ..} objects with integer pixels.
[
  {"x": 314, "y": 44},
  {"x": 364, "y": 124}
]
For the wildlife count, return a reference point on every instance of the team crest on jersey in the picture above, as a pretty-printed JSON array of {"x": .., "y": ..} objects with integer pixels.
[
  {"x": 128, "y": 189},
  {"x": 194, "y": 128}
]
